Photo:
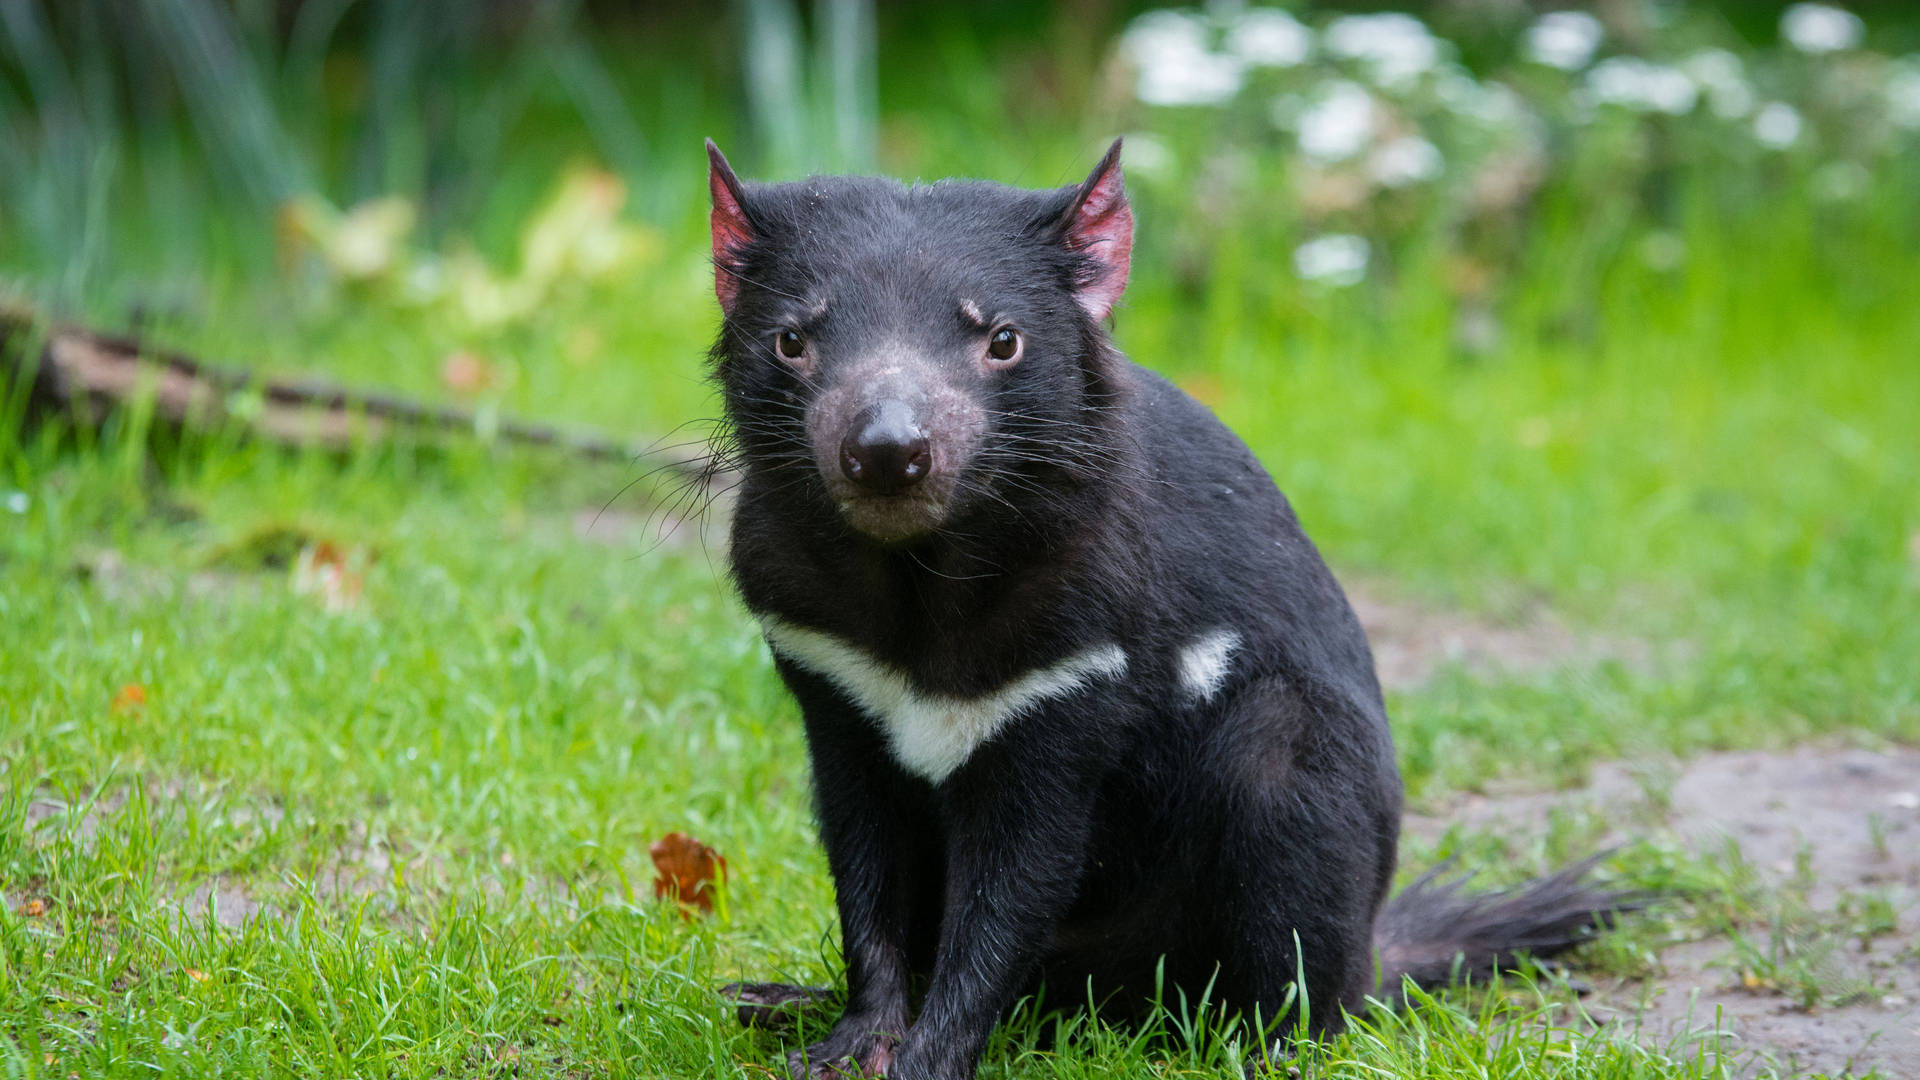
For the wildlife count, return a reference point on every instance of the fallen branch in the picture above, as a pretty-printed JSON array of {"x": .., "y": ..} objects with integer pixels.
[{"x": 84, "y": 376}]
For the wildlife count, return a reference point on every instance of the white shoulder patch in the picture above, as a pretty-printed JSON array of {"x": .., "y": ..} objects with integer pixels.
[
  {"x": 1203, "y": 664},
  {"x": 933, "y": 734}
]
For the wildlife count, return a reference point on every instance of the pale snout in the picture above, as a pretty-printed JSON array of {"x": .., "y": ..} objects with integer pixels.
[
  {"x": 891, "y": 436},
  {"x": 886, "y": 449}
]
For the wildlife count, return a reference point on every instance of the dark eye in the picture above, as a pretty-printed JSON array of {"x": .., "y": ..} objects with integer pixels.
[
  {"x": 789, "y": 344},
  {"x": 1004, "y": 346}
]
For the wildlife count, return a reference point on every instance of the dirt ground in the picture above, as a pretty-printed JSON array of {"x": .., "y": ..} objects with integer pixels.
[
  {"x": 1845, "y": 821},
  {"x": 1411, "y": 642}
]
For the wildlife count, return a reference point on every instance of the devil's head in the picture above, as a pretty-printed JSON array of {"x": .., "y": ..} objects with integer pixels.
[{"x": 915, "y": 356}]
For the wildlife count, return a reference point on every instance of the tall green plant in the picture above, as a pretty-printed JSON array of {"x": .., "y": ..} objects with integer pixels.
[
  {"x": 819, "y": 117},
  {"x": 117, "y": 120}
]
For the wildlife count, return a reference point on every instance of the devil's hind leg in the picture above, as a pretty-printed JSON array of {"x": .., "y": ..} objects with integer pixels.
[{"x": 1308, "y": 830}]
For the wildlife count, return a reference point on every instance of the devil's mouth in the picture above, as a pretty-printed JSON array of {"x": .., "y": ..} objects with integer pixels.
[{"x": 892, "y": 518}]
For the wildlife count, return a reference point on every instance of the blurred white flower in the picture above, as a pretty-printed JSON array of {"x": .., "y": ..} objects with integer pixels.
[
  {"x": 1721, "y": 75},
  {"x": 1663, "y": 250},
  {"x": 1777, "y": 124},
  {"x": 1334, "y": 259},
  {"x": 1165, "y": 32},
  {"x": 1493, "y": 104},
  {"x": 1147, "y": 155},
  {"x": 16, "y": 502},
  {"x": 426, "y": 280},
  {"x": 1903, "y": 94},
  {"x": 1563, "y": 39},
  {"x": 1207, "y": 79},
  {"x": 1269, "y": 37},
  {"x": 1819, "y": 28},
  {"x": 1339, "y": 124},
  {"x": 1173, "y": 64},
  {"x": 1841, "y": 181},
  {"x": 1406, "y": 160},
  {"x": 1633, "y": 83},
  {"x": 1395, "y": 47}
]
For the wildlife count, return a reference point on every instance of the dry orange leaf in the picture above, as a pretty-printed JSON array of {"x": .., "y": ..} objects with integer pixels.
[
  {"x": 129, "y": 697},
  {"x": 685, "y": 870},
  {"x": 327, "y": 571},
  {"x": 196, "y": 975},
  {"x": 466, "y": 372},
  {"x": 33, "y": 909}
]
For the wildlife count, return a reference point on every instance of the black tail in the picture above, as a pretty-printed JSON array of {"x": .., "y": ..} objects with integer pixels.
[{"x": 1435, "y": 934}]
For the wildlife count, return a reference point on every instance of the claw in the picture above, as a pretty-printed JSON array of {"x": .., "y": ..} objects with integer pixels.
[{"x": 870, "y": 1056}]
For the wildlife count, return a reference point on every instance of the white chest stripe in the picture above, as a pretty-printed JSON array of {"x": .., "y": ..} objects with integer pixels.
[
  {"x": 1203, "y": 664},
  {"x": 933, "y": 734}
]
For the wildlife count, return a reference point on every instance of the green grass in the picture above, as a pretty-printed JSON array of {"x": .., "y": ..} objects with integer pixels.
[
  {"x": 482, "y": 751},
  {"x": 441, "y": 798}
]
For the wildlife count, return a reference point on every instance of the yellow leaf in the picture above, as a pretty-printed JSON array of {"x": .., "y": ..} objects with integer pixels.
[
  {"x": 366, "y": 242},
  {"x": 371, "y": 238},
  {"x": 579, "y": 234}
]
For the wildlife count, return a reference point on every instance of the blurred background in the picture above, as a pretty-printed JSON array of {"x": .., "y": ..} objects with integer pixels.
[
  {"x": 369, "y": 186},
  {"x": 1584, "y": 337},
  {"x": 1345, "y": 210}
]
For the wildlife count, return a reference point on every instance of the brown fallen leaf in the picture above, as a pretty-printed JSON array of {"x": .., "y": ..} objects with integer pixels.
[
  {"x": 686, "y": 870},
  {"x": 466, "y": 372},
  {"x": 33, "y": 909},
  {"x": 196, "y": 975},
  {"x": 335, "y": 576},
  {"x": 129, "y": 697}
]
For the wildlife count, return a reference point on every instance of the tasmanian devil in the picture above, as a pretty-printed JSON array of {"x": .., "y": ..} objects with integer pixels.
[{"x": 1082, "y": 702}]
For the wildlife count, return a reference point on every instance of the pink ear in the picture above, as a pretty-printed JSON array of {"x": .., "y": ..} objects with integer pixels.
[
  {"x": 731, "y": 231},
  {"x": 1101, "y": 224}
]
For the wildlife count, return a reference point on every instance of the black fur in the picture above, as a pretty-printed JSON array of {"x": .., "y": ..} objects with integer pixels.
[{"x": 1126, "y": 825}]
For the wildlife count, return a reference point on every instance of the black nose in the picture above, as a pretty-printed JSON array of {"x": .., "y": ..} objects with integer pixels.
[{"x": 885, "y": 451}]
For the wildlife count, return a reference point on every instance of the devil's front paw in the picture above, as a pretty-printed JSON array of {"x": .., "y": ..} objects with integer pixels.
[{"x": 856, "y": 1047}]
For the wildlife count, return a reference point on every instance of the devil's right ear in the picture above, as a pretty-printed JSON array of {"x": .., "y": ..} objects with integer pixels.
[
  {"x": 732, "y": 232},
  {"x": 1099, "y": 223}
]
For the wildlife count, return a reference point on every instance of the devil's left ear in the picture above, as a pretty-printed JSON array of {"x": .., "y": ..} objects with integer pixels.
[
  {"x": 1099, "y": 224},
  {"x": 732, "y": 232}
]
